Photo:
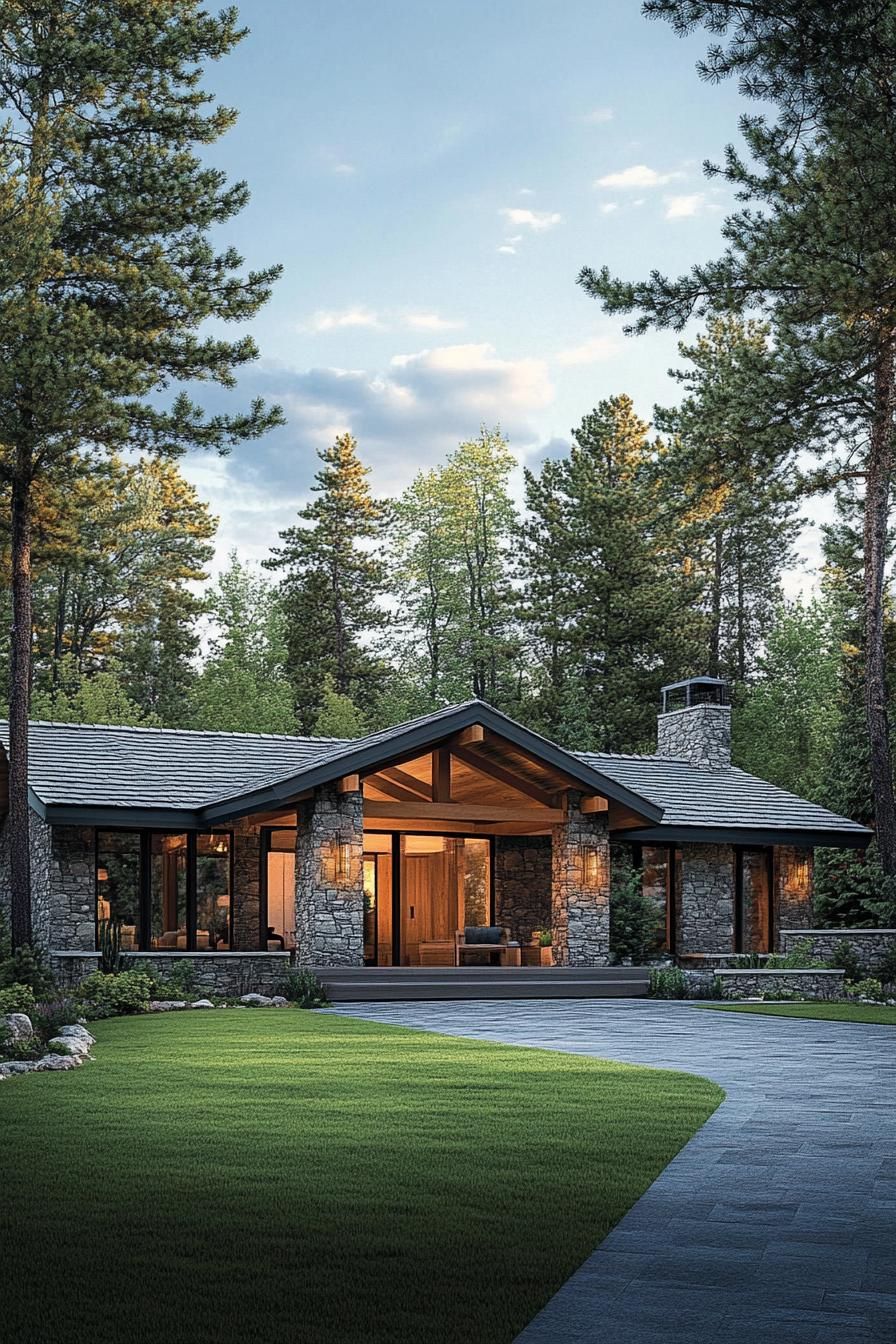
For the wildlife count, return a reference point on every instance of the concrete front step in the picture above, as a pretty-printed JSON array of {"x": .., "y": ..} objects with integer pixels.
[{"x": 370, "y": 984}]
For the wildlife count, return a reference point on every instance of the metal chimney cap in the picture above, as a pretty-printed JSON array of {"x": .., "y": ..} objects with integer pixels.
[{"x": 695, "y": 691}]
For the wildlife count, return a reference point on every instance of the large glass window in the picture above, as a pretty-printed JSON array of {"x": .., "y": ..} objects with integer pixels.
[
  {"x": 118, "y": 883},
  {"x": 168, "y": 892}
]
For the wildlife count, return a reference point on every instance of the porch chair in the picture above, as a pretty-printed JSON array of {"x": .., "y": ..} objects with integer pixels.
[{"x": 490, "y": 940}]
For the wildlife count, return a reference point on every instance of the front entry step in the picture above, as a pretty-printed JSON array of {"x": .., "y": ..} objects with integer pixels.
[{"x": 370, "y": 984}]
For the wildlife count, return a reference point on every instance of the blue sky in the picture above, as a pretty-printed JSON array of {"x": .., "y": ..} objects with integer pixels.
[{"x": 432, "y": 177}]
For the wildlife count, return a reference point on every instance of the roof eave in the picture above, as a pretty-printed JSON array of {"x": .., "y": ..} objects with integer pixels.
[
  {"x": 429, "y": 733},
  {"x": 155, "y": 818},
  {"x": 807, "y": 837}
]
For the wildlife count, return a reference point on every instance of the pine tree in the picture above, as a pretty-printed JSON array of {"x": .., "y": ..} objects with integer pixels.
[
  {"x": 624, "y": 623},
  {"x": 816, "y": 255},
  {"x": 243, "y": 687},
  {"x": 332, "y": 584},
  {"x": 107, "y": 271},
  {"x": 454, "y": 531},
  {"x": 339, "y": 716},
  {"x": 734, "y": 474},
  {"x": 99, "y": 698}
]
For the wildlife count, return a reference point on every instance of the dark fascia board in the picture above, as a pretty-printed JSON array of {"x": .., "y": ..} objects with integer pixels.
[
  {"x": 429, "y": 733},
  {"x": 151, "y": 818},
  {"x": 747, "y": 835}
]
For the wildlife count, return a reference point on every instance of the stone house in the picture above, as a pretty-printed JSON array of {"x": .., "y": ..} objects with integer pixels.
[{"x": 246, "y": 852}]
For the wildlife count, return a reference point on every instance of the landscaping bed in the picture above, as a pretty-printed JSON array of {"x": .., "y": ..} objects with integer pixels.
[
  {"x": 230, "y": 1177},
  {"x": 880, "y": 1014}
]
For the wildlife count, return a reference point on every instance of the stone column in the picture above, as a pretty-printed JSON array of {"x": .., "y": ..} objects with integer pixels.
[
  {"x": 706, "y": 911},
  {"x": 793, "y": 881},
  {"x": 63, "y": 886},
  {"x": 580, "y": 888},
  {"x": 329, "y": 879},
  {"x": 523, "y": 884},
  {"x": 246, "y": 887}
]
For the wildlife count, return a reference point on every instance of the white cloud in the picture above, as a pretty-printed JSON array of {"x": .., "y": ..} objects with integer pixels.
[
  {"x": 599, "y": 115},
  {"x": 507, "y": 250},
  {"x": 591, "y": 351},
  {"x": 536, "y": 220},
  {"x": 418, "y": 321},
  {"x": 343, "y": 169},
  {"x": 331, "y": 319},
  {"x": 608, "y": 207},
  {"x": 639, "y": 175},
  {"x": 525, "y": 191},
  {"x": 683, "y": 207}
]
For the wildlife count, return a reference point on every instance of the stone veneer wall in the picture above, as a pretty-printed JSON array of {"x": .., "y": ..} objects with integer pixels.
[
  {"x": 793, "y": 877},
  {"x": 700, "y": 735},
  {"x": 580, "y": 915},
  {"x": 41, "y": 863},
  {"x": 523, "y": 884},
  {"x": 70, "y": 901},
  {"x": 246, "y": 885},
  {"x": 804, "y": 984},
  {"x": 706, "y": 909},
  {"x": 226, "y": 973},
  {"x": 869, "y": 945},
  {"x": 330, "y": 908}
]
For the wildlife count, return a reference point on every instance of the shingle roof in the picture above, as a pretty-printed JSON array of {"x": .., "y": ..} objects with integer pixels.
[
  {"x": 717, "y": 798},
  {"x": 190, "y": 777}
]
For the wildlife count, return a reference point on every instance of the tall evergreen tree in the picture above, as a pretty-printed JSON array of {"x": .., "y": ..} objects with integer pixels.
[
  {"x": 333, "y": 579},
  {"x": 107, "y": 270},
  {"x": 734, "y": 473},
  {"x": 816, "y": 255},
  {"x": 624, "y": 622},
  {"x": 243, "y": 687},
  {"x": 454, "y": 531}
]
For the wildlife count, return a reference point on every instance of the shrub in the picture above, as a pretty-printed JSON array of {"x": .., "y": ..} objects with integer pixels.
[
  {"x": 25, "y": 966},
  {"x": 886, "y": 967},
  {"x": 845, "y": 959},
  {"x": 109, "y": 939},
  {"x": 303, "y": 989},
  {"x": 31, "y": 1047},
  {"x": 109, "y": 995},
  {"x": 16, "y": 999},
  {"x": 179, "y": 983},
  {"x": 668, "y": 983},
  {"x": 52, "y": 1014},
  {"x": 545, "y": 937},
  {"x": 634, "y": 920},
  {"x": 799, "y": 958},
  {"x": 865, "y": 989}
]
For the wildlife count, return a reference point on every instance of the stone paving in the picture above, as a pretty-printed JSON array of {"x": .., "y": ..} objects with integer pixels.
[{"x": 776, "y": 1224}]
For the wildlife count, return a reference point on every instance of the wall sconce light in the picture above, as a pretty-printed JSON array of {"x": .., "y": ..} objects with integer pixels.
[
  {"x": 338, "y": 862},
  {"x": 102, "y": 874},
  {"x": 593, "y": 867}
]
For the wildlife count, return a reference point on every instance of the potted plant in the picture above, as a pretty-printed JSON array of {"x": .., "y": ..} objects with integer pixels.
[{"x": 545, "y": 947}]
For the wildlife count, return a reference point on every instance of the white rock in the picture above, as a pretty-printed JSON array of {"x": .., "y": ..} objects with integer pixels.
[
  {"x": 278, "y": 1001},
  {"x": 202, "y": 1003},
  {"x": 78, "y": 1032},
  {"x": 255, "y": 1000},
  {"x": 69, "y": 1045},
  {"x": 53, "y": 1062},
  {"x": 17, "y": 1066},
  {"x": 18, "y": 1027},
  {"x": 166, "y": 1005}
]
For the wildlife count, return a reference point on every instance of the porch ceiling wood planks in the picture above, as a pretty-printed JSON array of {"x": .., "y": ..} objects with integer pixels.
[
  {"x": 486, "y": 766},
  {"x": 407, "y": 781},
  {"x": 537, "y": 816},
  {"x": 380, "y": 784}
]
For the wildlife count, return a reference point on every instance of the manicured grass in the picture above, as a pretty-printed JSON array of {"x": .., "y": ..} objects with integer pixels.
[
  {"x": 241, "y": 1176},
  {"x": 878, "y": 1013}
]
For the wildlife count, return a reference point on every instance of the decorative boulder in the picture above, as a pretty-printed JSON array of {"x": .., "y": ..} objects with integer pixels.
[
  {"x": 166, "y": 1005},
  {"x": 256, "y": 1000},
  {"x": 17, "y": 1066},
  {"x": 78, "y": 1032},
  {"x": 202, "y": 1003},
  {"x": 18, "y": 1027},
  {"x": 57, "y": 1062},
  {"x": 69, "y": 1045},
  {"x": 278, "y": 1001}
]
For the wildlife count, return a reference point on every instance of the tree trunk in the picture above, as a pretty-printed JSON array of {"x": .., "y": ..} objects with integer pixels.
[
  {"x": 19, "y": 700},
  {"x": 877, "y": 499},
  {"x": 715, "y": 626}
]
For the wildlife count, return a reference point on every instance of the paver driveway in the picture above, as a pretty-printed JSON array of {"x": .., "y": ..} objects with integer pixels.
[{"x": 777, "y": 1222}]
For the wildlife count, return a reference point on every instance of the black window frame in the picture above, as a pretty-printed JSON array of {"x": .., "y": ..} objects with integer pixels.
[{"x": 144, "y": 931}]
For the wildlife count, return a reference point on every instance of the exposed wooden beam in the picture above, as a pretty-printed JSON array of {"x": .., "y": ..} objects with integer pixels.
[
  {"x": 410, "y": 826},
  {"x": 594, "y": 803},
  {"x": 286, "y": 818},
  {"x": 538, "y": 817},
  {"x": 409, "y": 782},
  {"x": 468, "y": 737},
  {"x": 398, "y": 791},
  {"x": 349, "y": 784},
  {"x": 495, "y": 771},
  {"x": 441, "y": 775}
]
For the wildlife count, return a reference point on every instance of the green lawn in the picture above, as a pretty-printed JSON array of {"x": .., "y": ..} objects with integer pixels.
[
  {"x": 240, "y": 1176},
  {"x": 878, "y": 1013}
]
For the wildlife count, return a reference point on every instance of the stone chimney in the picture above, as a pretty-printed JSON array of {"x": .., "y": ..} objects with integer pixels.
[{"x": 695, "y": 723}]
